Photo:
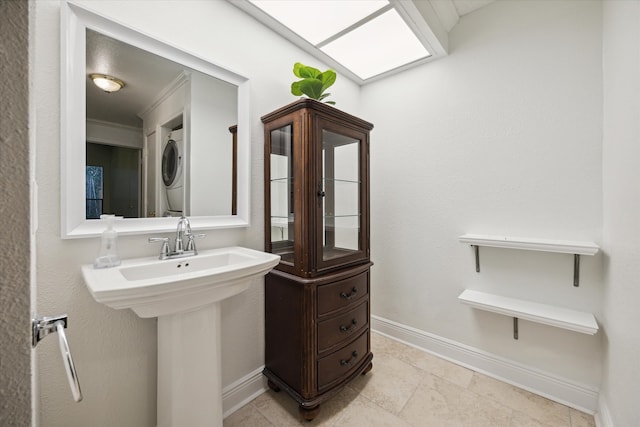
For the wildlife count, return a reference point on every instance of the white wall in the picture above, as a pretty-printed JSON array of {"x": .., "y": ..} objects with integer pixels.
[
  {"x": 115, "y": 351},
  {"x": 621, "y": 154},
  {"x": 503, "y": 137},
  {"x": 107, "y": 133}
]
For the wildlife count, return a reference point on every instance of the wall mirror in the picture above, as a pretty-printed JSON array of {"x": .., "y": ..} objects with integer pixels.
[{"x": 173, "y": 140}]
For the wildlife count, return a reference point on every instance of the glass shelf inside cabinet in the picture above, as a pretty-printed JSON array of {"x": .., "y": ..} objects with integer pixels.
[{"x": 282, "y": 193}]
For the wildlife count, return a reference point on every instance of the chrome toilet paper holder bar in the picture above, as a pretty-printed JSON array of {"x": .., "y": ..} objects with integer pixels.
[{"x": 43, "y": 326}]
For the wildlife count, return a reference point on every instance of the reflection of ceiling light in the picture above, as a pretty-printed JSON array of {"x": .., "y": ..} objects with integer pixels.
[{"x": 107, "y": 83}]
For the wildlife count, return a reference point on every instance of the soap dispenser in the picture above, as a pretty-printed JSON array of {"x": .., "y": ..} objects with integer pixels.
[{"x": 108, "y": 255}]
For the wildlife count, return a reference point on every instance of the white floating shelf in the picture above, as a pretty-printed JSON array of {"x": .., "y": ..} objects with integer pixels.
[
  {"x": 531, "y": 244},
  {"x": 559, "y": 317}
]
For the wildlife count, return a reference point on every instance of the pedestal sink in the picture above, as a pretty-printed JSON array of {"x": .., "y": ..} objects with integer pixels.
[{"x": 184, "y": 294}]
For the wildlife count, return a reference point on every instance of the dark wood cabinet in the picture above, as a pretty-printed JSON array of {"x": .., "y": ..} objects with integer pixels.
[{"x": 317, "y": 303}]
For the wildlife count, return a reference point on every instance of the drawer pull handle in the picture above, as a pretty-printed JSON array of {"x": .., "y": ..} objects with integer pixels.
[
  {"x": 349, "y": 361},
  {"x": 345, "y": 329},
  {"x": 353, "y": 293}
]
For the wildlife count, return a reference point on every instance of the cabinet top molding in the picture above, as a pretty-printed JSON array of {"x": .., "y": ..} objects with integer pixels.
[
  {"x": 531, "y": 244},
  {"x": 317, "y": 106}
]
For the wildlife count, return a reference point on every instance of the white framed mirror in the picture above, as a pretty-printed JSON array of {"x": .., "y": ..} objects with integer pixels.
[{"x": 212, "y": 195}]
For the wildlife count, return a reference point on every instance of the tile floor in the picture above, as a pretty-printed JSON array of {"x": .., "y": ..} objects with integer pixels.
[{"x": 410, "y": 388}]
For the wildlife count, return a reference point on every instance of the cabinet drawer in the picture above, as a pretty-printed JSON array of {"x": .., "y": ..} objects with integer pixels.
[
  {"x": 339, "y": 328},
  {"x": 334, "y": 296},
  {"x": 343, "y": 361}
]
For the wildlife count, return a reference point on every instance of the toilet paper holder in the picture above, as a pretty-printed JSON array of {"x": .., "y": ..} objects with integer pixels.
[{"x": 43, "y": 326}]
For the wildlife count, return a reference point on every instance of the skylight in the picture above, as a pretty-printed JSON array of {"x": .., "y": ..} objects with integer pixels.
[
  {"x": 317, "y": 20},
  {"x": 367, "y": 37}
]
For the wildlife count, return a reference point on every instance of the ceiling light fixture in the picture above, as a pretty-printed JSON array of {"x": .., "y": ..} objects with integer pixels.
[{"x": 107, "y": 83}]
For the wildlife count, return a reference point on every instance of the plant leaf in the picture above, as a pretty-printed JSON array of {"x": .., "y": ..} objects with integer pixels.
[
  {"x": 330, "y": 102},
  {"x": 327, "y": 78},
  {"x": 310, "y": 72},
  {"x": 305, "y": 71},
  {"x": 296, "y": 69},
  {"x": 295, "y": 89},
  {"x": 311, "y": 87}
]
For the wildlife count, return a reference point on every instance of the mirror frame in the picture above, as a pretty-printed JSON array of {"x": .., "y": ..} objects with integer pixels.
[{"x": 75, "y": 20}]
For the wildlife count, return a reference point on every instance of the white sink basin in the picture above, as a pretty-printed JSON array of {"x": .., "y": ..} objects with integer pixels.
[{"x": 153, "y": 287}]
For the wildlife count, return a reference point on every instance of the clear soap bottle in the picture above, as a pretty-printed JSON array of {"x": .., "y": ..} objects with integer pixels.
[{"x": 108, "y": 255}]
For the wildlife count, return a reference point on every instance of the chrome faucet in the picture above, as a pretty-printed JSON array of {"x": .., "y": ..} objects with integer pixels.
[
  {"x": 184, "y": 228},
  {"x": 180, "y": 250}
]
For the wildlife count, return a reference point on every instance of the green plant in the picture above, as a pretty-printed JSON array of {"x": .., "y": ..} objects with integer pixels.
[{"x": 313, "y": 83}]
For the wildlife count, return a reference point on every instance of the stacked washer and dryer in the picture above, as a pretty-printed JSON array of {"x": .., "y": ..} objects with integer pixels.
[{"x": 173, "y": 172}]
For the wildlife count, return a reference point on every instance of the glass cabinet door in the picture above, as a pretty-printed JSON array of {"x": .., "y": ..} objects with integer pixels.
[
  {"x": 281, "y": 188},
  {"x": 316, "y": 188},
  {"x": 340, "y": 199}
]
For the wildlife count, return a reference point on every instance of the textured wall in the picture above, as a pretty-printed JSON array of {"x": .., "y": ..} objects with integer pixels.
[
  {"x": 502, "y": 137},
  {"x": 621, "y": 154},
  {"x": 15, "y": 345}
]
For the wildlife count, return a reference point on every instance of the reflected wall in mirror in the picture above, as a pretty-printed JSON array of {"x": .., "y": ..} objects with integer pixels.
[
  {"x": 172, "y": 141},
  {"x": 177, "y": 122}
]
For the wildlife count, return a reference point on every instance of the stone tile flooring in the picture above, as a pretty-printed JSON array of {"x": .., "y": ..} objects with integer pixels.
[{"x": 410, "y": 388}]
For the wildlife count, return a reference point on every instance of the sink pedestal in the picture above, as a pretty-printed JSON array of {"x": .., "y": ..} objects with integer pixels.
[{"x": 189, "y": 370}]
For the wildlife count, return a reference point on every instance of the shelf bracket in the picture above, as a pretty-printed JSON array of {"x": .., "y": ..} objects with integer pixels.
[
  {"x": 515, "y": 328},
  {"x": 576, "y": 264},
  {"x": 476, "y": 250}
]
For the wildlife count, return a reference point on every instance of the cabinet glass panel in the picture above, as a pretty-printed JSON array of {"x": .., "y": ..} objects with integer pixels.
[
  {"x": 341, "y": 201},
  {"x": 282, "y": 193}
]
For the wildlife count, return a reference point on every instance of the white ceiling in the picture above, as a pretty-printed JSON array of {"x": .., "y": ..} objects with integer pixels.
[
  {"x": 467, "y": 6},
  {"x": 146, "y": 74}
]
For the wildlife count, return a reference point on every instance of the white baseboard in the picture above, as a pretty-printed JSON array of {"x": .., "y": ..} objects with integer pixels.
[
  {"x": 603, "y": 416},
  {"x": 578, "y": 396},
  {"x": 243, "y": 391},
  {"x": 581, "y": 397}
]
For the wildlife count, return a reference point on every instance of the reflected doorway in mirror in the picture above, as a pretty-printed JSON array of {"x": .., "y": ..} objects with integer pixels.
[{"x": 173, "y": 172}]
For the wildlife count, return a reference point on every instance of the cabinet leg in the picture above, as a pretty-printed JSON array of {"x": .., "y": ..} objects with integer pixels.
[
  {"x": 309, "y": 413},
  {"x": 368, "y": 368},
  {"x": 273, "y": 386}
]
